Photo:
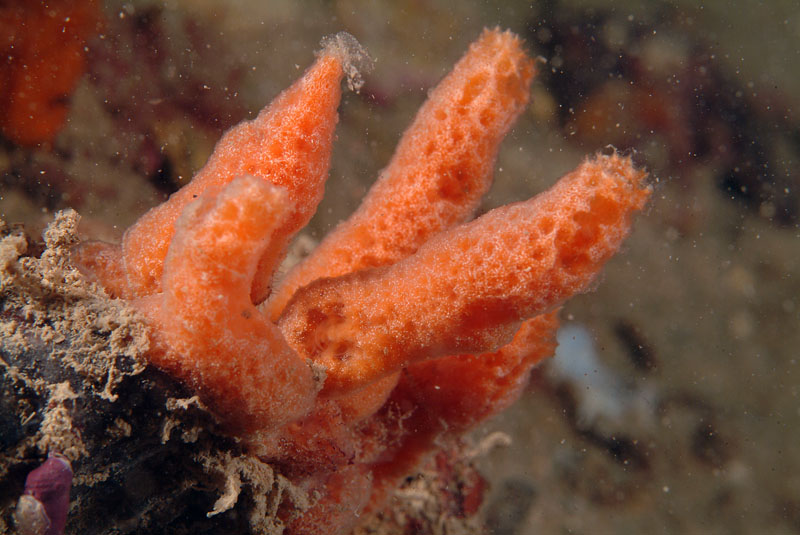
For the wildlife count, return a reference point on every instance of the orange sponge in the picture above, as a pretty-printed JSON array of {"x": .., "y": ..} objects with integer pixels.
[
  {"x": 494, "y": 380},
  {"x": 399, "y": 331},
  {"x": 431, "y": 402},
  {"x": 440, "y": 170},
  {"x": 458, "y": 130},
  {"x": 288, "y": 144},
  {"x": 207, "y": 330},
  {"x": 467, "y": 290}
]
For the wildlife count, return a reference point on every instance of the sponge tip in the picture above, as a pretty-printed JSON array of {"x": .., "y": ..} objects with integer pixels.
[{"x": 353, "y": 57}]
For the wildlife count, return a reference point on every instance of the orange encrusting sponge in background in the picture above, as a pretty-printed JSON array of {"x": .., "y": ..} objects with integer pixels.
[
  {"x": 43, "y": 50},
  {"x": 440, "y": 171},
  {"x": 473, "y": 284}
]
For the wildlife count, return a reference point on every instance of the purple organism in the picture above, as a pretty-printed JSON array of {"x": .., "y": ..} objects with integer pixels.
[{"x": 43, "y": 507}]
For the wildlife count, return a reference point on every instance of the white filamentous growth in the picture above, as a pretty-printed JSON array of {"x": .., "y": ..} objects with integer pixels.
[{"x": 354, "y": 58}]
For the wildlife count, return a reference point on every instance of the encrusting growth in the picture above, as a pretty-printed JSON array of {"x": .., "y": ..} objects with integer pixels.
[{"x": 407, "y": 325}]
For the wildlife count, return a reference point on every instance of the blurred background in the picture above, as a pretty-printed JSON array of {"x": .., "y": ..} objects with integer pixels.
[{"x": 672, "y": 405}]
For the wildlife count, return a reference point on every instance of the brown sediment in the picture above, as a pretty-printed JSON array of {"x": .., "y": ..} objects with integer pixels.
[{"x": 85, "y": 329}]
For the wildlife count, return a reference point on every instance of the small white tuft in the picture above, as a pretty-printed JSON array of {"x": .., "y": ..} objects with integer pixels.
[{"x": 354, "y": 57}]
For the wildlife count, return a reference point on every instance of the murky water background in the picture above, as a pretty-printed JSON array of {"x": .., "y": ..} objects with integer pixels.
[{"x": 685, "y": 415}]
